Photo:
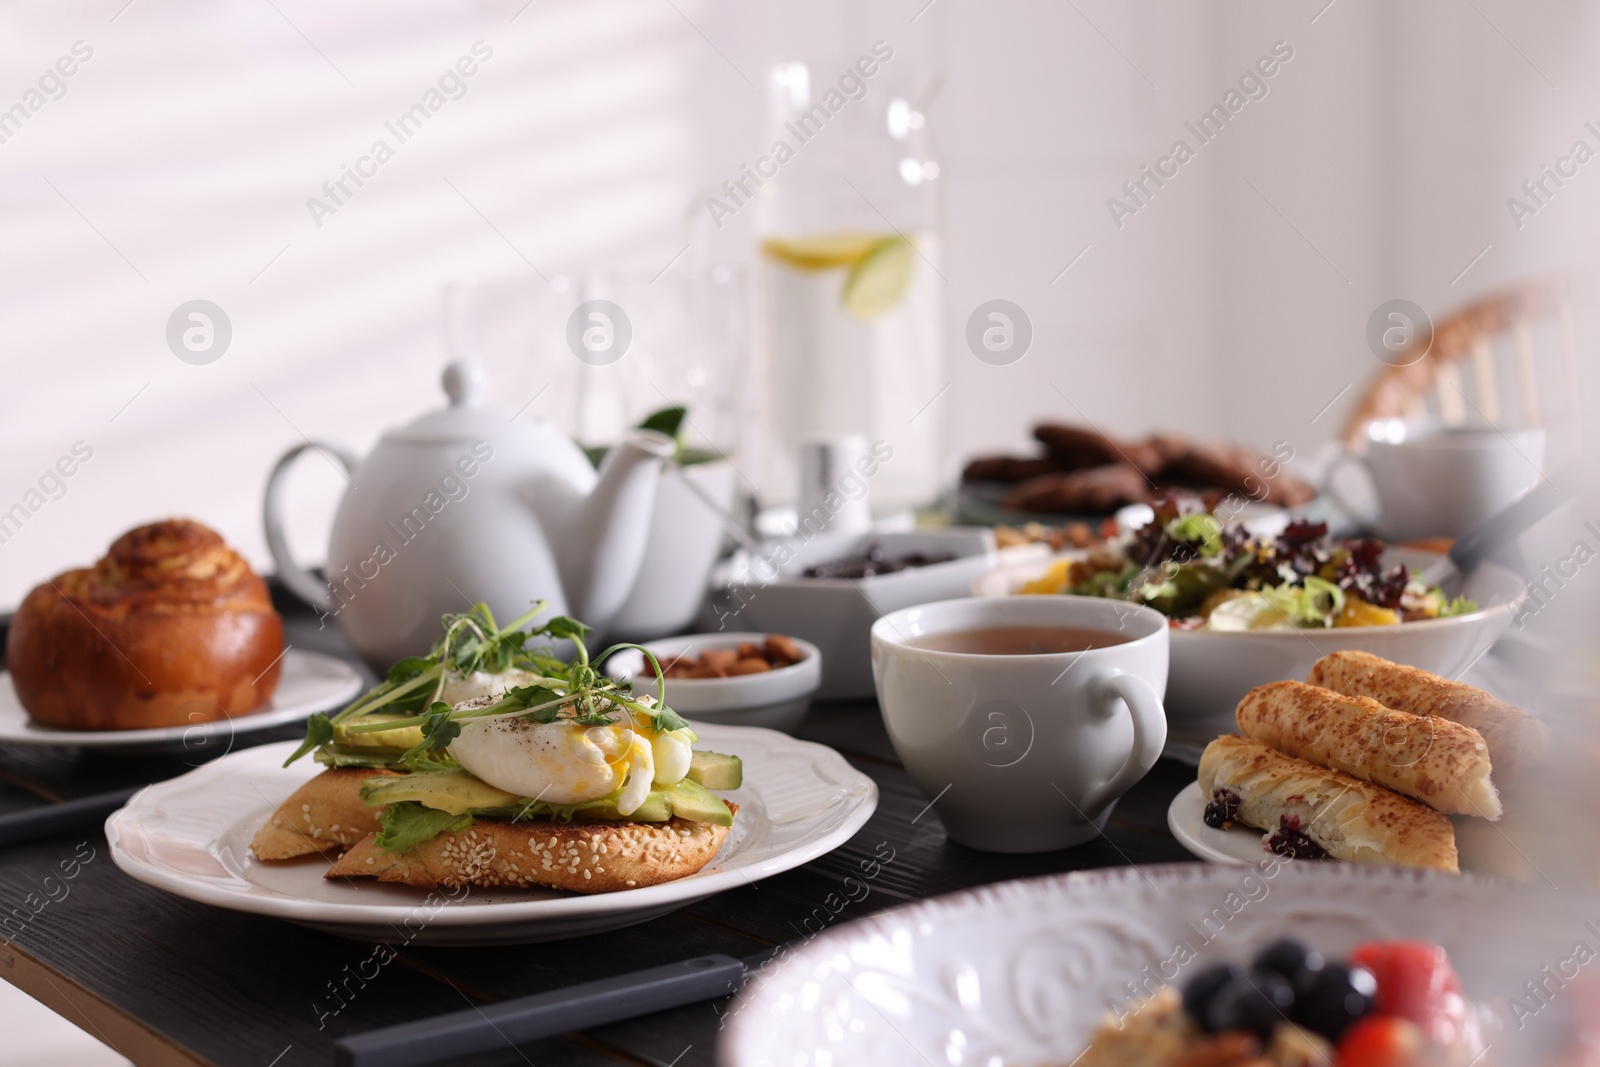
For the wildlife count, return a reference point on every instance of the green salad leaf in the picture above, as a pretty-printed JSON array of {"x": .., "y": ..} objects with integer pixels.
[
  {"x": 1112, "y": 584},
  {"x": 1199, "y": 528},
  {"x": 407, "y": 824},
  {"x": 1183, "y": 587},
  {"x": 1314, "y": 604}
]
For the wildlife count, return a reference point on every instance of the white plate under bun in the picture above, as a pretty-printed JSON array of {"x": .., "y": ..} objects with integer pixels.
[
  {"x": 1211, "y": 671},
  {"x": 309, "y": 682},
  {"x": 777, "y": 699}
]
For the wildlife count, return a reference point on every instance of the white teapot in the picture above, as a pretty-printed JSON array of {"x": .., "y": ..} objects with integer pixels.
[{"x": 465, "y": 504}]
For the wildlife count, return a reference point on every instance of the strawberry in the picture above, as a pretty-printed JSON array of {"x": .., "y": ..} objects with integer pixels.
[
  {"x": 1416, "y": 983},
  {"x": 1381, "y": 1041}
]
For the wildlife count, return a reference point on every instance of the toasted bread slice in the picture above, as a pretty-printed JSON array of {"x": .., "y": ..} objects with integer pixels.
[
  {"x": 584, "y": 857},
  {"x": 326, "y": 814}
]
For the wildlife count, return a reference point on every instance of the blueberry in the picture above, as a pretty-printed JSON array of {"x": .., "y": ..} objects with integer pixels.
[
  {"x": 1334, "y": 998},
  {"x": 1289, "y": 958},
  {"x": 1256, "y": 1002},
  {"x": 1202, "y": 987}
]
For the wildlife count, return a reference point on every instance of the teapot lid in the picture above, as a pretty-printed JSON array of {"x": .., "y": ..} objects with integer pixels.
[{"x": 466, "y": 417}]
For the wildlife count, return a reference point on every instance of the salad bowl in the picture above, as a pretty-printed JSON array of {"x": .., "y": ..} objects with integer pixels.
[{"x": 1212, "y": 670}]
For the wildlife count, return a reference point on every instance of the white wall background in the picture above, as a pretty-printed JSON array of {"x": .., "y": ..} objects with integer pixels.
[{"x": 178, "y": 163}]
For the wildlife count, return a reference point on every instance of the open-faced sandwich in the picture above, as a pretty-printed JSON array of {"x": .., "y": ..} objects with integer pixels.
[
  {"x": 1368, "y": 763},
  {"x": 492, "y": 761}
]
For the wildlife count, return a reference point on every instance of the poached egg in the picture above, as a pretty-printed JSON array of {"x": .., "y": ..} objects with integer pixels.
[
  {"x": 568, "y": 763},
  {"x": 458, "y": 688}
]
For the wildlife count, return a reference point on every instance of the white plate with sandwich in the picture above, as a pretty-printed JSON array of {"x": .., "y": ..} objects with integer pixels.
[{"x": 192, "y": 836}]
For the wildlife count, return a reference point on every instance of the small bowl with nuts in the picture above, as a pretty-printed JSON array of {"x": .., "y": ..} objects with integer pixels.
[{"x": 747, "y": 679}]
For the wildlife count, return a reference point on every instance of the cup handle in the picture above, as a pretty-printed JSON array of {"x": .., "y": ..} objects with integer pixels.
[
  {"x": 301, "y": 582},
  {"x": 1330, "y": 485},
  {"x": 1149, "y": 732}
]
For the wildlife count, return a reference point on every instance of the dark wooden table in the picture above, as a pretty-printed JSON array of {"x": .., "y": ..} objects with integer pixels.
[{"x": 167, "y": 981}]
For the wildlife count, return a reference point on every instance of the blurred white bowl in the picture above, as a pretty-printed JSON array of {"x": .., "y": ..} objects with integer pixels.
[
  {"x": 836, "y": 614},
  {"x": 776, "y": 699},
  {"x": 1212, "y": 671}
]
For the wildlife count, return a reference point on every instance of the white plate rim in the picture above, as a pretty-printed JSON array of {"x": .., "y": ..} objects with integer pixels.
[
  {"x": 467, "y": 914},
  {"x": 30, "y": 733}
]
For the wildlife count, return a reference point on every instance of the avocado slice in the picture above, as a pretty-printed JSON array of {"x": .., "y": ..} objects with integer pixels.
[
  {"x": 654, "y": 809},
  {"x": 459, "y": 793},
  {"x": 716, "y": 771},
  {"x": 690, "y": 800},
  {"x": 456, "y": 792},
  {"x": 406, "y": 737},
  {"x": 344, "y": 756}
]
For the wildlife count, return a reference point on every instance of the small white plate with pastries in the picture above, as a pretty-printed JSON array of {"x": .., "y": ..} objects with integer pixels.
[
  {"x": 191, "y": 836},
  {"x": 1368, "y": 761}
]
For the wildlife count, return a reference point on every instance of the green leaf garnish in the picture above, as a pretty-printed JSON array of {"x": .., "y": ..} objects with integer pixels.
[
  {"x": 407, "y": 824},
  {"x": 440, "y": 729},
  {"x": 319, "y": 731},
  {"x": 668, "y": 420},
  {"x": 667, "y": 719},
  {"x": 565, "y": 627}
]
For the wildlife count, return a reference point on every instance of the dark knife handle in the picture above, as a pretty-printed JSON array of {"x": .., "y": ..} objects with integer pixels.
[
  {"x": 62, "y": 818},
  {"x": 516, "y": 1022}
]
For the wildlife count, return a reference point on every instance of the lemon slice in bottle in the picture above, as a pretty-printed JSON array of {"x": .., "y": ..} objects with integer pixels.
[
  {"x": 822, "y": 252},
  {"x": 879, "y": 280}
]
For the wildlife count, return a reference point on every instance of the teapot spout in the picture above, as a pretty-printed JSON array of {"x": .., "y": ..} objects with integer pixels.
[{"x": 605, "y": 543}]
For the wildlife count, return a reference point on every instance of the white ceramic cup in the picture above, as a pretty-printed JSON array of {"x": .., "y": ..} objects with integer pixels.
[
  {"x": 1430, "y": 480},
  {"x": 1023, "y": 753}
]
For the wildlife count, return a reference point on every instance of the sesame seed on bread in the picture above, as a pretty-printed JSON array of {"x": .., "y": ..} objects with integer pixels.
[{"x": 326, "y": 814}]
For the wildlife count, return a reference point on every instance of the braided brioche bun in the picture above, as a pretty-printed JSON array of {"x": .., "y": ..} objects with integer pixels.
[{"x": 170, "y": 628}]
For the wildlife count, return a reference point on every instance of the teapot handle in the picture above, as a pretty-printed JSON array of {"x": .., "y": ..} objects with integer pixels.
[{"x": 301, "y": 582}]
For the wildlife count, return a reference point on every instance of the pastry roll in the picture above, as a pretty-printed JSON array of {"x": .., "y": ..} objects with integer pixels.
[
  {"x": 1441, "y": 763},
  {"x": 1516, "y": 739},
  {"x": 1308, "y": 811}
]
